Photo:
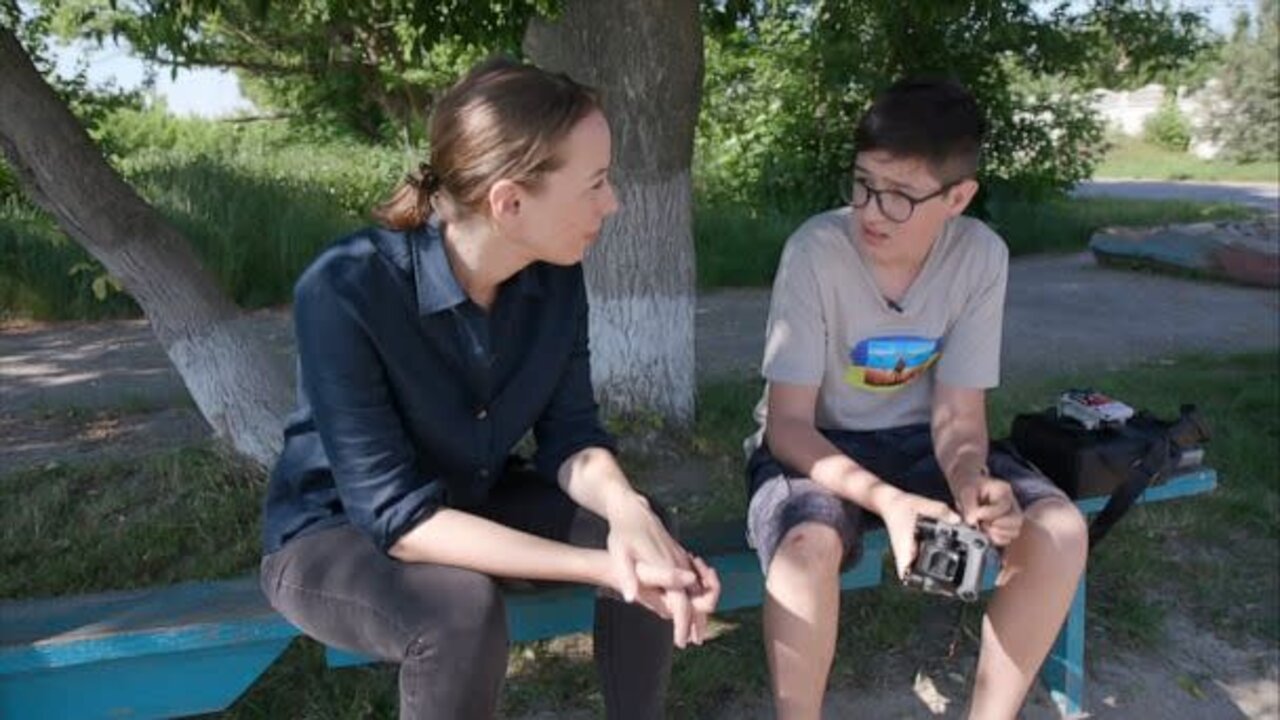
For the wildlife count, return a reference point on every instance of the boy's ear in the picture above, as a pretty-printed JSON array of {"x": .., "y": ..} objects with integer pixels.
[{"x": 960, "y": 195}]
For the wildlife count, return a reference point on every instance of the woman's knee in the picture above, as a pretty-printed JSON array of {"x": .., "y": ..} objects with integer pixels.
[{"x": 468, "y": 616}]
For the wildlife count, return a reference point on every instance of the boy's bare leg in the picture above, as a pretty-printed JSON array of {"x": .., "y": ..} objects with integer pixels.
[
  {"x": 801, "y": 611},
  {"x": 1041, "y": 570}
]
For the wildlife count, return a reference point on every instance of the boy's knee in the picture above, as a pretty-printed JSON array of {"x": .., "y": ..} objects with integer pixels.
[
  {"x": 810, "y": 547},
  {"x": 1062, "y": 525}
]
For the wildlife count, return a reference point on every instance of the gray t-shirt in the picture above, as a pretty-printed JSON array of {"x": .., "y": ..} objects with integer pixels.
[{"x": 875, "y": 364}]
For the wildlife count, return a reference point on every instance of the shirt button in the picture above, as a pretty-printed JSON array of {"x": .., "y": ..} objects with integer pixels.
[
  {"x": 482, "y": 413},
  {"x": 484, "y": 473}
]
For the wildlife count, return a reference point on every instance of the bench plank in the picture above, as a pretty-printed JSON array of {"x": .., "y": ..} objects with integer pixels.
[{"x": 196, "y": 647}]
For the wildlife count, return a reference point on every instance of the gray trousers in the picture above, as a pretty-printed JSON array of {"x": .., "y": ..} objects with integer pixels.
[{"x": 446, "y": 626}]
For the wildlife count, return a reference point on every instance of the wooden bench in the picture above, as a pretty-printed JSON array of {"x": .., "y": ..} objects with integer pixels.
[{"x": 196, "y": 647}]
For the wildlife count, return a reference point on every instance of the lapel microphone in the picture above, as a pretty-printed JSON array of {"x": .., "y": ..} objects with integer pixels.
[{"x": 894, "y": 306}]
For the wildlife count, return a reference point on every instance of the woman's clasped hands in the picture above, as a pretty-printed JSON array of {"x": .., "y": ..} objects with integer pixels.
[{"x": 648, "y": 566}]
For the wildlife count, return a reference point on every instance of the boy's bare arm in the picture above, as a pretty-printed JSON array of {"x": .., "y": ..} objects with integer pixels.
[
  {"x": 960, "y": 434},
  {"x": 795, "y": 441},
  {"x": 960, "y": 444}
]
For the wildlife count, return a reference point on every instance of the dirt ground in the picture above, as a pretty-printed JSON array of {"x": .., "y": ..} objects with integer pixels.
[{"x": 87, "y": 392}]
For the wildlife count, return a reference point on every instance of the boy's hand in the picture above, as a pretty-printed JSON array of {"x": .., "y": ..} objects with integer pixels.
[
  {"x": 988, "y": 504},
  {"x": 899, "y": 516}
]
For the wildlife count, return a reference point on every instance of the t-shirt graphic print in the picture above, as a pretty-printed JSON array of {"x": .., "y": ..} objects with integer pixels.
[{"x": 889, "y": 363}]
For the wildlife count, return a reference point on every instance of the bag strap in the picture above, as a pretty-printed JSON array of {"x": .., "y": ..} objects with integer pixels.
[
  {"x": 1142, "y": 473},
  {"x": 1160, "y": 457}
]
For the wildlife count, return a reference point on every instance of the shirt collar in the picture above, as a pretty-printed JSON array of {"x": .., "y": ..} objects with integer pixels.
[{"x": 438, "y": 287}]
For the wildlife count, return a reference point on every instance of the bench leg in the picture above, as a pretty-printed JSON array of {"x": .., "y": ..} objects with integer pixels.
[{"x": 1063, "y": 670}]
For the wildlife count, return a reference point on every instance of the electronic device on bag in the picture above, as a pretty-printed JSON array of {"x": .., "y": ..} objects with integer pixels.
[
  {"x": 1092, "y": 445},
  {"x": 950, "y": 559}
]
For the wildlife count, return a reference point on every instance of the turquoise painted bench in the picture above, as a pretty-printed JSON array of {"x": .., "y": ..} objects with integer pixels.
[{"x": 196, "y": 647}]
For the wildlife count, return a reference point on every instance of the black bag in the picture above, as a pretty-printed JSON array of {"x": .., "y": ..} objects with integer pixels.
[{"x": 1119, "y": 461}]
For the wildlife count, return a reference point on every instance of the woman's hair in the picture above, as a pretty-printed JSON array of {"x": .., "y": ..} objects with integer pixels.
[{"x": 503, "y": 120}]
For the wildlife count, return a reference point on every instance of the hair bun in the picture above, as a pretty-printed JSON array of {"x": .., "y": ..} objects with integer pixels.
[{"x": 425, "y": 179}]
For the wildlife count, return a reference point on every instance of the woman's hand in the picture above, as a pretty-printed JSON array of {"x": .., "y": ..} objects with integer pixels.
[
  {"x": 636, "y": 535},
  {"x": 651, "y": 567},
  {"x": 703, "y": 597},
  {"x": 899, "y": 515}
]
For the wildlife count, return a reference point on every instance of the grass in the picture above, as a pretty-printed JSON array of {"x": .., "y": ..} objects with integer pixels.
[
  {"x": 1214, "y": 556},
  {"x": 1133, "y": 158},
  {"x": 257, "y": 235},
  {"x": 37, "y": 277},
  {"x": 740, "y": 246},
  {"x": 193, "y": 514},
  {"x": 188, "y": 514}
]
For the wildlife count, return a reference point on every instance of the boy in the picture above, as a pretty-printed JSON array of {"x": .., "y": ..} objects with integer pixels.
[{"x": 883, "y": 336}]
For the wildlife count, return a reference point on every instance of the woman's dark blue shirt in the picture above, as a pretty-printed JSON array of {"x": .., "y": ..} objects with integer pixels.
[{"x": 411, "y": 397}]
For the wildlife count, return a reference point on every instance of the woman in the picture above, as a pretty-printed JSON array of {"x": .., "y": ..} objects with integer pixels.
[{"x": 428, "y": 348}]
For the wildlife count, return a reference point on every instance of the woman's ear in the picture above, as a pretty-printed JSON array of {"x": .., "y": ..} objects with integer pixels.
[{"x": 504, "y": 200}]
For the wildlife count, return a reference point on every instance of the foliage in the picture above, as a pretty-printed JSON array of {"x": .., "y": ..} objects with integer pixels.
[
  {"x": 770, "y": 127},
  {"x": 1168, "y": 127},
  {"x": 1131, "y": 43},
  {"x": 370, "y": 68},
  {"x": 91, "y": 104},
  {"x": 256, "y": 201},
  {"x": 786, "y": 83},
  {"x": 1249, "y": 124}
]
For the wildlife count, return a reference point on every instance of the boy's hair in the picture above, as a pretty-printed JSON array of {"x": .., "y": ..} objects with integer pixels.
[{"x": 937, "y": 121}]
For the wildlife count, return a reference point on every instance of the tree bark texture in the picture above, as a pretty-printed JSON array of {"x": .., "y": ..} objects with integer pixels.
[
  {"x": 645, "y": 56},
  {"x": 238, "y": 385}
]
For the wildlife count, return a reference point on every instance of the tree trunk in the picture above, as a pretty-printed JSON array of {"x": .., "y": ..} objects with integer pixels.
[
  {"x": 646, "y": 58},
  {"x": 234, "y": 380}
]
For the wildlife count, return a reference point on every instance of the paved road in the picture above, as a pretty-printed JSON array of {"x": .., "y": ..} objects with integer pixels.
[{"x": 1264, "y": 196}]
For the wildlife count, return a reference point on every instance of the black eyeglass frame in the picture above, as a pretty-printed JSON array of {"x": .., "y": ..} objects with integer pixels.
[{"x": 847, "y": 194}]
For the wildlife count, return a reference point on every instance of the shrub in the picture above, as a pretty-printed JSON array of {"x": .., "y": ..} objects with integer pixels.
[{"x": 1168, "y": 127}]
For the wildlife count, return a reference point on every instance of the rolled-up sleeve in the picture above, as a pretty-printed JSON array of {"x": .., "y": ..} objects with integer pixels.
[
  {"x": 571, "y": 420},
  {"x": 382, "y": 489}
]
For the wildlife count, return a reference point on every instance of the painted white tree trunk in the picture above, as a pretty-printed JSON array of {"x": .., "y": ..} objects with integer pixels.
[
  {"x": 239, "y": 386},
  {"x": 642, "y": 302},
  {"x": 645, "y": 56}
]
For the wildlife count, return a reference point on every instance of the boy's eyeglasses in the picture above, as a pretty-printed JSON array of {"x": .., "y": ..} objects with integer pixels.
[{"x": 895, "y": 205}]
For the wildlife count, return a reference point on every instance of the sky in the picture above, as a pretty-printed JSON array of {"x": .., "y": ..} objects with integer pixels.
[{"x": 215, "y": 93}]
